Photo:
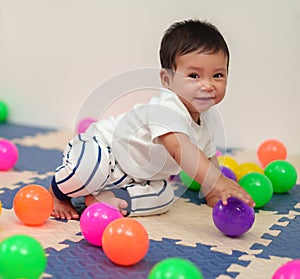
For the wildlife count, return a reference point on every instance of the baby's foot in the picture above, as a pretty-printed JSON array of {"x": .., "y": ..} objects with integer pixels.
[
  {"x": 64, "y": 210},
  {"x": 109, "y": 198}
]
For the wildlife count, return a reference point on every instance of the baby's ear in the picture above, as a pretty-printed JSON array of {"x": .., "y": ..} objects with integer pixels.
[{"x": 165, "y": 78}]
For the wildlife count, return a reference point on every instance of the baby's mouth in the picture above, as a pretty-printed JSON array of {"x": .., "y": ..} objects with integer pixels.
[{"x": 206, "y": 98}]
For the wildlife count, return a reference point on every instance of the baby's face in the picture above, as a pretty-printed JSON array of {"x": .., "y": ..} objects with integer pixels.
[{"x": 199, "y": 81}]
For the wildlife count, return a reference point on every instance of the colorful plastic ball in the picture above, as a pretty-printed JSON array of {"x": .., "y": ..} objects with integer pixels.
[
  {"x": 21, "y": 256},
  {"x": 246, "y": 168},
  {"x": 218, "y": 153},
  {"x": 227, "y": 161},
  {"x": 258, "y": 186},
  {"x": 125, "y": 241},
  {"x": 175, "y": 268},
  {"x": 8, "y": 154},
  {"x": 95, "y": 218},
  {"x": 189, "y": 181},
  {"x": 290, "y": 270},
  {"x": 84, "y": 124},
  {"x": 227, "y": 172},
  {"x": 271, "y": 150},
  {"x": 282, "y": 174},
  {"x": 233, "y": 219},
  {"x": 33, "y": 205},
  {"x": 3, "y": 112},
  {"x": 0, "y": 208}
]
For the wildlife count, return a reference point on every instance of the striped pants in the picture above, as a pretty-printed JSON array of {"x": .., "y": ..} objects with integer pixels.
[{"x": 89, "y": 167}]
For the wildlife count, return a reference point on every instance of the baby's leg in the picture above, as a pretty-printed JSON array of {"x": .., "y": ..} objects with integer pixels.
[
  {"x": 110, "y": 198},
  {"x": 84, "y": 171},
  {"x": 150, "y": 198}
]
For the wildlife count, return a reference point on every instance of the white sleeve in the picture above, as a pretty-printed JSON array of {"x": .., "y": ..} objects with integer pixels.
[{"x": 163, "y": 120}]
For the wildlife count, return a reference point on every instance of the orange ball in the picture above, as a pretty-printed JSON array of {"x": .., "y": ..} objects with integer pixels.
[
  {"x": 125, "y": 241},
  {"x": 33, "y": 205},
  {"x": 271, "y": 150}
]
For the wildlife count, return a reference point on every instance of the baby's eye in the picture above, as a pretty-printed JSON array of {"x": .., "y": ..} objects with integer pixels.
[
  {"x": 194, "y": 75},
  {"x": 218, "y": 75}
]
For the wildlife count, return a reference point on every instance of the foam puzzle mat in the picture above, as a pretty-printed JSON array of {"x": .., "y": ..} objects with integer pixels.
[{"x": 186, "y": 231}]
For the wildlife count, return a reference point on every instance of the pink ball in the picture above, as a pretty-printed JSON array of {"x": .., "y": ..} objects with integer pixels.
[
  {"x": 218, "y": 153},
  {"x": 8, "y": 154},
  {"x": 289, "y": 270},
  {"x": 95, "y": 219},
  {"x": 84, "y": 124}
]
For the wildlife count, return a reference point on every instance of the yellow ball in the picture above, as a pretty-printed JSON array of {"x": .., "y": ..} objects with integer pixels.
[
  {"x": 0, "y": 207},
  {"x": 228, "y": 162},
  {"x": 246, "y": 168}
]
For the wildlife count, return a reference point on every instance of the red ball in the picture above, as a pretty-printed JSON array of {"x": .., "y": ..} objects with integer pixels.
[
  {"x": 271, "y": 150},
  {"x": 125, "y": 241},
  {"x": 33, "y": 205}
]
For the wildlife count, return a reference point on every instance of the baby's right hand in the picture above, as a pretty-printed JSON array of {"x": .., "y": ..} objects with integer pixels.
[{"x": 226, "y": 188}]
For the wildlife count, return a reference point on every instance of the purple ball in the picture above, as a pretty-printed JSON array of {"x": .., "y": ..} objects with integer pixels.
[
  {"x": 228, "y": 173},
  {"x": 233, "y": 219}
]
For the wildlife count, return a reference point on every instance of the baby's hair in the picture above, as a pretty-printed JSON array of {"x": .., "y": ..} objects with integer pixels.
[{"x": 188, "y": 36}]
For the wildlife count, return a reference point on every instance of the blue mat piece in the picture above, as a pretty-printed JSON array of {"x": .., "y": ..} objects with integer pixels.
[
  {"x": 12, "y": 131},
  {"x": 7, "y": 197},
  {"x": 83, "y": 260},
  {"x": 283, "y": 203},
  {"x": 37, "y": 159},
  {"x": 183, "y": 192},
  {"x": 286, "y": 244}
]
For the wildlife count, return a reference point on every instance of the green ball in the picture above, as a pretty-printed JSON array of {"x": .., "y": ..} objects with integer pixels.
[
  {"x": 21, "y": 256},
  {"x": 258, "y": 186},
  {"x": 189, "y": 181},
  {"x": 3, "y": 112},
  {"x": 175, "y": 268},
  {"x": 282, "y": 174}
]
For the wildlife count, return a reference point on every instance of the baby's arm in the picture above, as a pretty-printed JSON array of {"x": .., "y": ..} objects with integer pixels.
[
  {"x": 214, "y": 161},
  {"x": 193, "y": 161}
]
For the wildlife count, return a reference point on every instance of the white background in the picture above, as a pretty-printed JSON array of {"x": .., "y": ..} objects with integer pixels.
[{"x": 54, "y": 53}]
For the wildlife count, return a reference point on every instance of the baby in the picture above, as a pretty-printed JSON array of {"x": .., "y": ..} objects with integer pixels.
[{"x": 126, "y": 160}]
